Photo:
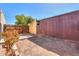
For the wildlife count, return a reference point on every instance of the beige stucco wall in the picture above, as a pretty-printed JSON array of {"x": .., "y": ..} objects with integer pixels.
[{"x": 32, "y": 27}]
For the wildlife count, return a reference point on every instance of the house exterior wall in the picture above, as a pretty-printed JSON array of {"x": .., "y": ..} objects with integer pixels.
[
  {"x": 2, "y": 21},
  {"x": 62, "y": 26}
]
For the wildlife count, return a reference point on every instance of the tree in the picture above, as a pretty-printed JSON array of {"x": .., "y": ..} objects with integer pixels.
[{"x": 23, "y": 20}]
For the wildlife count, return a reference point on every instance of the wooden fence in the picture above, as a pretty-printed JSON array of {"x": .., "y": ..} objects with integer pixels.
[
  {"x": 20, "y": 29},
  {"x": 62, "y": 26}
]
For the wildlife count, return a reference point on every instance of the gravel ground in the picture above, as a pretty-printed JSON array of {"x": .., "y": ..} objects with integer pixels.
[
  {"x": 48, "y": 46},
  {"x": 2, "y": 51},
  {"x": 28, "y": 48}
]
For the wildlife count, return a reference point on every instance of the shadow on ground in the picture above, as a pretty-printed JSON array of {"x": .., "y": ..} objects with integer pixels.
[{"x": 60, "y": 46}]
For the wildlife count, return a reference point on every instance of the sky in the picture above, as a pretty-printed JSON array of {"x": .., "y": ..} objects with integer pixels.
[{"x": 36, "y": 10}]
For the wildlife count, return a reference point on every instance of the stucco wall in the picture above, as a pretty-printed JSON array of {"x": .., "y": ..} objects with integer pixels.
[
  {"x": 2, "y": 20},
  {"x": 62, "y": 26},
  {"x": 32, "y": 27}
]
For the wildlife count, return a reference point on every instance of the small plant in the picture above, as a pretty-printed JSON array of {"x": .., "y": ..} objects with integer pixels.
[{"x": 10, "y": 38}]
